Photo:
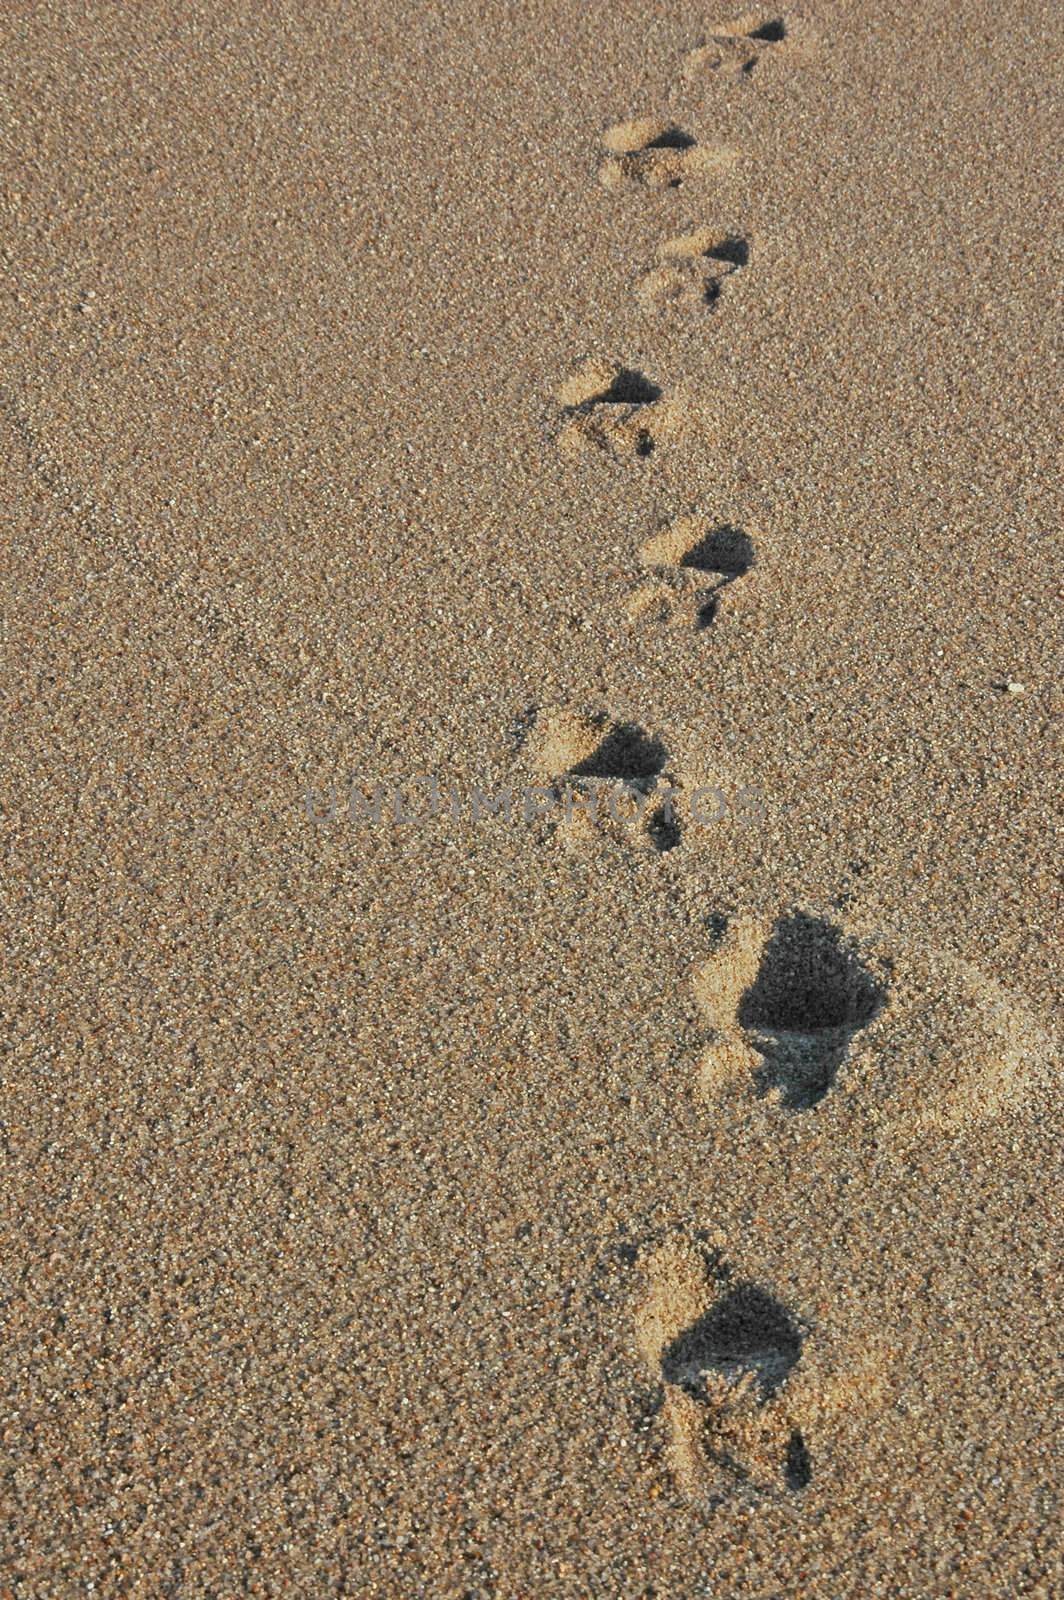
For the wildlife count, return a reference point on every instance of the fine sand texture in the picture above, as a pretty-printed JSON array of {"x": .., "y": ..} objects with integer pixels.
[{"x": 650, "y": 1187}]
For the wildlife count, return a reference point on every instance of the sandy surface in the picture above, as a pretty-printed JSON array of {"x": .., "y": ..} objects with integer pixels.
[{"x": 648, "y": 1207}]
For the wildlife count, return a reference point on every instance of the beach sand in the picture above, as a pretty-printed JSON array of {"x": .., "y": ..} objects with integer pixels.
[{"x": 664, "y": 1203}]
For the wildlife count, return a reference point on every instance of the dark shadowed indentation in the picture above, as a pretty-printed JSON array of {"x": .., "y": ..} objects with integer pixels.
[
  {"x": 627, "y": 755},
  {"x": 747, "y": 1331},
  {"x": 809, "y": 978},
  {"x": 811, "y": 995},
  {"x": 663, "y": 829},
  {"x": 629, "y": 388},
  {"x": 798, "y": 1467},
  {"x": 769, "y": 32},
  {"x": 671, "y": 139},
  {"x": 706, "y": 614},
  {"x": 735, "y": 251},
  {"x": 725, "y": 549}
]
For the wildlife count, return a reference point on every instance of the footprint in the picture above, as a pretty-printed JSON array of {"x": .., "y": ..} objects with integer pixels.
[
  {"x": 723, "y": 1350},
  {"x": 619, "y": 412},
  {"x": 691, "y": 270},
  {"x": 597, "y": 777},
  {"x": 651, "y": 154},
  {"x": 735, "y": 47},
  {"x": 682, "y": 558},
  {"x": 785, "y": 1007},
  {"x": 945, "y": 1046},
  {"x": 603, "y": 777}
]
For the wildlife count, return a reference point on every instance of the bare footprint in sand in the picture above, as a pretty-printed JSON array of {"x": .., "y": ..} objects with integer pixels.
[
  {"x": 648, "y": 153},
  {"x": 603, "y": 778},
  {"x": 723, "y": 1351},
  {"x": 737, "y": 46},
  {"x": 619, "y": 412},
  {"x": 693, "y": 562},
  {"x": 786, "y": 1006},
  {"x": 691, "y": 270},
  {"x": 750, "y": 1392},
  {"x": 906, "y": 1037}
]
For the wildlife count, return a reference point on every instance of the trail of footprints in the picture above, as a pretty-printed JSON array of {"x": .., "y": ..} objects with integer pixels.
[{"x": 800, "y": 1015}]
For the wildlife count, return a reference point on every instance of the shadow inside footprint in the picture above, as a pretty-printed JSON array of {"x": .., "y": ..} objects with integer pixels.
[
  {"x": 629, "y": 388},
  {"x": 798, "y": 1467},
  {"x": 726, "y": 550},
  {"x": 810, "y": 996},
  {"x": 773, "y": 32},
  {"x": 748, "y": 1331},
  {"x": 724, "y": 258},
  {"x": 733, "y": 250},
  {"x": 626, "y": 755},
  {"x": 670, "y": 139},
  {"x": 663, "y": 829}
]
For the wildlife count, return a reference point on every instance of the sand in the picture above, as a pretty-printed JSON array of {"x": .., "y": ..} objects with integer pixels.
[{"x": 660, "y": 1200}]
